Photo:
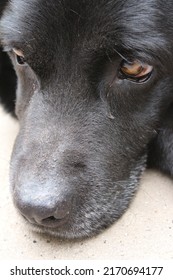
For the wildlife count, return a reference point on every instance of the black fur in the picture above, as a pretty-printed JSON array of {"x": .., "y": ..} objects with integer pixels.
[
  {"x": 85, "y": 132},
  {"x": 7, "y": 83}
]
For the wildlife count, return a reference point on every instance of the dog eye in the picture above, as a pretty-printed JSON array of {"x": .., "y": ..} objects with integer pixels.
[
  {"x": 135, "y": 71},
  {"x": 19, "y": 57}
]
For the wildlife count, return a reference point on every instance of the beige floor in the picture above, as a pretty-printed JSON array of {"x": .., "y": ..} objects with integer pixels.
[{"x": 144, "y": 232}]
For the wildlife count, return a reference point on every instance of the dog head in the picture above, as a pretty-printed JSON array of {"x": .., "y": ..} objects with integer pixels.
[{"x": 94, "y": 79}]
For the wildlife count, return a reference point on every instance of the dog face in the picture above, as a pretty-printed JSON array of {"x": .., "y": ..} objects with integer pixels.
[{"x": 93, "y": 79}]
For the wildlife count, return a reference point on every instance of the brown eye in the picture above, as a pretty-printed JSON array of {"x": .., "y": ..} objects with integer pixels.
[
  {"x": 19, "y": 56},
  {"x": 135, "y": 71}
]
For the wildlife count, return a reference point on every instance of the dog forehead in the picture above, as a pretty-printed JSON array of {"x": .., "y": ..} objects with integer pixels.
[
  {"x": 33, "y": 22},
  {"x": 35, "y": 17},
  {"x": 52, "y": 28},
  {"x": 56, "y": 24}
]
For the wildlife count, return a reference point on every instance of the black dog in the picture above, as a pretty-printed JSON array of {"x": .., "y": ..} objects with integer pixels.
[{"x": 94, "y": 98}]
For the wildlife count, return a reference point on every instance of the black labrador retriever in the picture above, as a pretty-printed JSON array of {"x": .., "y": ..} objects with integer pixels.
[{"x": 92, "y": 88}]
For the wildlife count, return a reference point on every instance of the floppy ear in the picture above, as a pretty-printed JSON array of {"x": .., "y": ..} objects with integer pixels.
[{"x": 7, "y": 76}]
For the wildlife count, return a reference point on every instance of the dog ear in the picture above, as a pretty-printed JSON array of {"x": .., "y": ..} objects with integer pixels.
[{"x": 7, "y": 76}]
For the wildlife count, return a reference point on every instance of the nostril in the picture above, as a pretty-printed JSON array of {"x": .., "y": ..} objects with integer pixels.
[
  {"x": 53, "y": 222},
  {"x": 50, "y": 219}
]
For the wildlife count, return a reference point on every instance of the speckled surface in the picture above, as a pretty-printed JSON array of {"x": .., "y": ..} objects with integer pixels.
[{"x": 144, "y": 232}]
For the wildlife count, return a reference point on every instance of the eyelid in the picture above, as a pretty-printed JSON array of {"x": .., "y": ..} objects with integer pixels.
[{"x": 18, "y": 52}]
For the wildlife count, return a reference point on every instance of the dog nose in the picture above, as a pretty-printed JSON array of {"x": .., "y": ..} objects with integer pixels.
[
  {"x": 48, "y": 215},
  {"x": 44, "y": 210}
]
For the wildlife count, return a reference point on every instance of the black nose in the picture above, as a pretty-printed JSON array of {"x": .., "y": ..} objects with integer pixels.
[{"x": 44, "y": 209}]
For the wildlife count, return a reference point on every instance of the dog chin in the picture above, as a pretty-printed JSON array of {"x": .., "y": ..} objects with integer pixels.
[{"x": 65, "y": 236}]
